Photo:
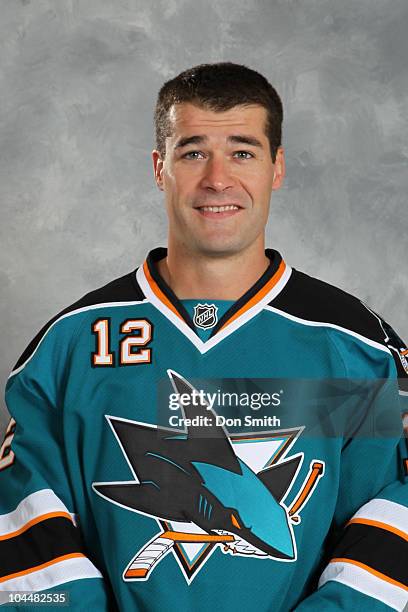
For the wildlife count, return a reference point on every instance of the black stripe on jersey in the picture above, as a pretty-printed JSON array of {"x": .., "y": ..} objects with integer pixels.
[
  {"x": 382, "y": 550},
  {"x": 43, "y": 542},
  {"x": 314, "y": 300},
  {"x": 275, "y": 260},
  {"x": 123, "y": 289},
  {"x": 153, "y": 257}
]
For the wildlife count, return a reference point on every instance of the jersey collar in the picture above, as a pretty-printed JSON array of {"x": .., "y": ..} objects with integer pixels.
[{"x": 245, "y": 308}]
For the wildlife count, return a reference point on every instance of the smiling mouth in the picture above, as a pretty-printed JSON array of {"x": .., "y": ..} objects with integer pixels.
[{"x": 226, "y": 210}]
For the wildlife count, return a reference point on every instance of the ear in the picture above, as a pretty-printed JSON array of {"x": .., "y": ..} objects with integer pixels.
[
  {"x": 279, "y": 169},
  {"x": 158, "y": 168}
]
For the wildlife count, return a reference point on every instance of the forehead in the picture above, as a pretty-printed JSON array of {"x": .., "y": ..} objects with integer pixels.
[{"x": 186, "y": 118}]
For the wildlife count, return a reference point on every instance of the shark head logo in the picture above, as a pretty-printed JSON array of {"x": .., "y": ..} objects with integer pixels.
[{"x": 203, "y": 493}]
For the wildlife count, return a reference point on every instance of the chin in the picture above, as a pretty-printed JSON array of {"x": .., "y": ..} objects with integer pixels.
[{"x": 220, "y": 249}]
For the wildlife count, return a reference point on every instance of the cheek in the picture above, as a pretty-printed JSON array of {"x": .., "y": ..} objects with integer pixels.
[
  {"x": 259, "y": 179},
  {"x": 259, "y": 192},
  {"x": 178, "y": 183},
  {"x": 263, "y": 187},
  {"x": 168, "y": 181}
]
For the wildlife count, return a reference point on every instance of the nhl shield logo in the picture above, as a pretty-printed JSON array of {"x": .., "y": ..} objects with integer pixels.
[{"x": 205, "y": 315}]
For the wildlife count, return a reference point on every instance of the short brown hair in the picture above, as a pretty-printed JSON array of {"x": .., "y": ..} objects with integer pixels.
[{"x": 219, "y": 87}]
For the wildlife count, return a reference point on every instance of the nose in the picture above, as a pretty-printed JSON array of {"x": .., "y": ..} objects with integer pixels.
[{"x": 217, "y": 175}]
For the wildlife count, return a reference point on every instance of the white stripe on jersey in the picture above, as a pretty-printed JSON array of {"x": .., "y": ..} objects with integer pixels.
[
  {"x": 56, "y": 574},
  {"x": 384, "y": 511},
  {"x": 31, "y": 507},
  {"x": 364, "y": 581},
  {"x": 373, "y": 343}
]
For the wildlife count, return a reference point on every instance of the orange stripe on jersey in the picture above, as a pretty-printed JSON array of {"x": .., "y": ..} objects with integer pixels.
[
  {"x": 158, "y": 292},
  {"x": 38, "y": 519},
  {"x": 180, "y": 536},
  {"x": 363, "y": 521},
  {"x": 371, "y": 571},
  {"x": 258, "y": 296},
  {"x": 41, "y": 566}
]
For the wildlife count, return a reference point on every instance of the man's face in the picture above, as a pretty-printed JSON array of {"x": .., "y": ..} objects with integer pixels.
[{"x": 215, "y": 160}]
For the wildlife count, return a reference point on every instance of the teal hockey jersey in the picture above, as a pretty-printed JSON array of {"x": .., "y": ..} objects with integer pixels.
[{"x": 167, "y": 454}]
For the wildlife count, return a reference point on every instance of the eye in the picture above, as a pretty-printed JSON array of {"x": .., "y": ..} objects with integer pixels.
[
  {"x": 186, "y": 155},
  {"x": 244, "y": 153},
  {"x": 234, "y": 521}
]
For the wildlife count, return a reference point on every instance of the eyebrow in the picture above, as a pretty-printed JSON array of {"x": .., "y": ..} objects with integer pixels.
[{"x": 236, "y": 139}]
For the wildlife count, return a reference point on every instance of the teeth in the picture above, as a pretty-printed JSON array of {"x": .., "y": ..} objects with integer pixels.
[
  {"x": 239, "y": 547},
  {"x": 219, "y": 208}
]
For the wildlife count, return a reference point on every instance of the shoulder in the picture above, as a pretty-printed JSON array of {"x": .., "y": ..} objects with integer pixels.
[
  {"x": 123, "y": 289},
  {"x": 312, "y": 301}
]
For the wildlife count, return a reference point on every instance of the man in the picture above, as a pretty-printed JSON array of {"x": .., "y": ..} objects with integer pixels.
[{"x": 122, "y": 486}]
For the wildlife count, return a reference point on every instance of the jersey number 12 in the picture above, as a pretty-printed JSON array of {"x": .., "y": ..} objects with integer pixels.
[{"x": 138, "y": 334}]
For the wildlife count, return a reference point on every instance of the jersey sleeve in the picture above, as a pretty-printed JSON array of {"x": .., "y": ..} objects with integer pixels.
[
  {"x": 367, "y": 566},
  {"x": 41, "y": 542}
]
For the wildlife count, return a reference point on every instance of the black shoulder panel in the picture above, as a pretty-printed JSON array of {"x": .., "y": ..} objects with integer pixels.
[
  {"x": 123, "y": 289},
  {"x": 314, "y": 300}
]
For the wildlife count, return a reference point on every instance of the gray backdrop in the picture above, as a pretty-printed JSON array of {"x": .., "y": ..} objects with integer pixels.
[{"x": 79, "y": 80}]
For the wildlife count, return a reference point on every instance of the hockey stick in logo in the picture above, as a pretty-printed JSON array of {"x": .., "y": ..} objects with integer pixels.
[
  {"x": 316, "y": 472},
  {"x": 154, "y": 551}
]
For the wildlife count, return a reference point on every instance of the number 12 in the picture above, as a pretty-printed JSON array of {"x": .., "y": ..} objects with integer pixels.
[{"x": 139, "y": 333}]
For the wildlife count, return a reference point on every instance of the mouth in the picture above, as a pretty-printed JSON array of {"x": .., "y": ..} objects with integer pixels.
[
  {"x": 218, "y": 212},
  {"x": 240, "y": 547}
]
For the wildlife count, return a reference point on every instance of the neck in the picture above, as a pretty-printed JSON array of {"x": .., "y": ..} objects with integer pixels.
[{"x": 193, "y": 276}]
